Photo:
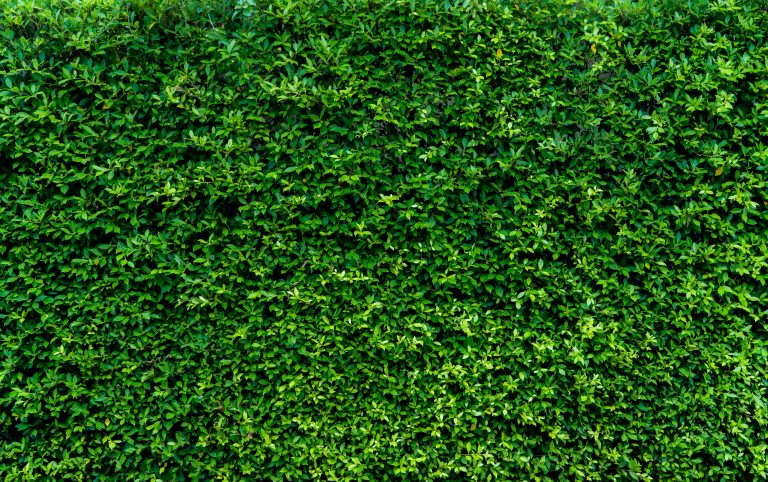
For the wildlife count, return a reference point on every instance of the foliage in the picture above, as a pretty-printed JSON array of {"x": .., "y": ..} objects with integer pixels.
[{"x": 368, "y": 240}]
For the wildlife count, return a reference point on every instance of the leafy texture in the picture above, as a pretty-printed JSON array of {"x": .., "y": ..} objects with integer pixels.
[{"x": 367, "y": 240}]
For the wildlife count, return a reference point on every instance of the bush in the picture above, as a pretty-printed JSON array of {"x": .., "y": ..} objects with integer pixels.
[{"x": 368, "y": 240}]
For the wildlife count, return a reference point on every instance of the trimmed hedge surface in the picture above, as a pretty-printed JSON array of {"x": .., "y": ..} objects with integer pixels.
[{"x": 368, "y": 240}]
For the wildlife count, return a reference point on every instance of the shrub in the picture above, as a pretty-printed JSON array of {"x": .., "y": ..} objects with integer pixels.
[{"x": 368, "y": 240}]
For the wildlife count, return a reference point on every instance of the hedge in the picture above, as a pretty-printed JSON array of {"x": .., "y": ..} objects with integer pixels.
[{"x": 383, "y": 240}]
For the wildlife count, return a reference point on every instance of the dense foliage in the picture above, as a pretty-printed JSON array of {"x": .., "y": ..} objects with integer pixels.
[{"x": 368, "y": 240}]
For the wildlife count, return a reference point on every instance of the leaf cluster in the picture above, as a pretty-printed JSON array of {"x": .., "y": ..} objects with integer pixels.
[{"x": 366, "y": 240}]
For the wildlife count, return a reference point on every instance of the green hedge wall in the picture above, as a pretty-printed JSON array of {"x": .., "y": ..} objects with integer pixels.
[{"x": 383, "y": 240}]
